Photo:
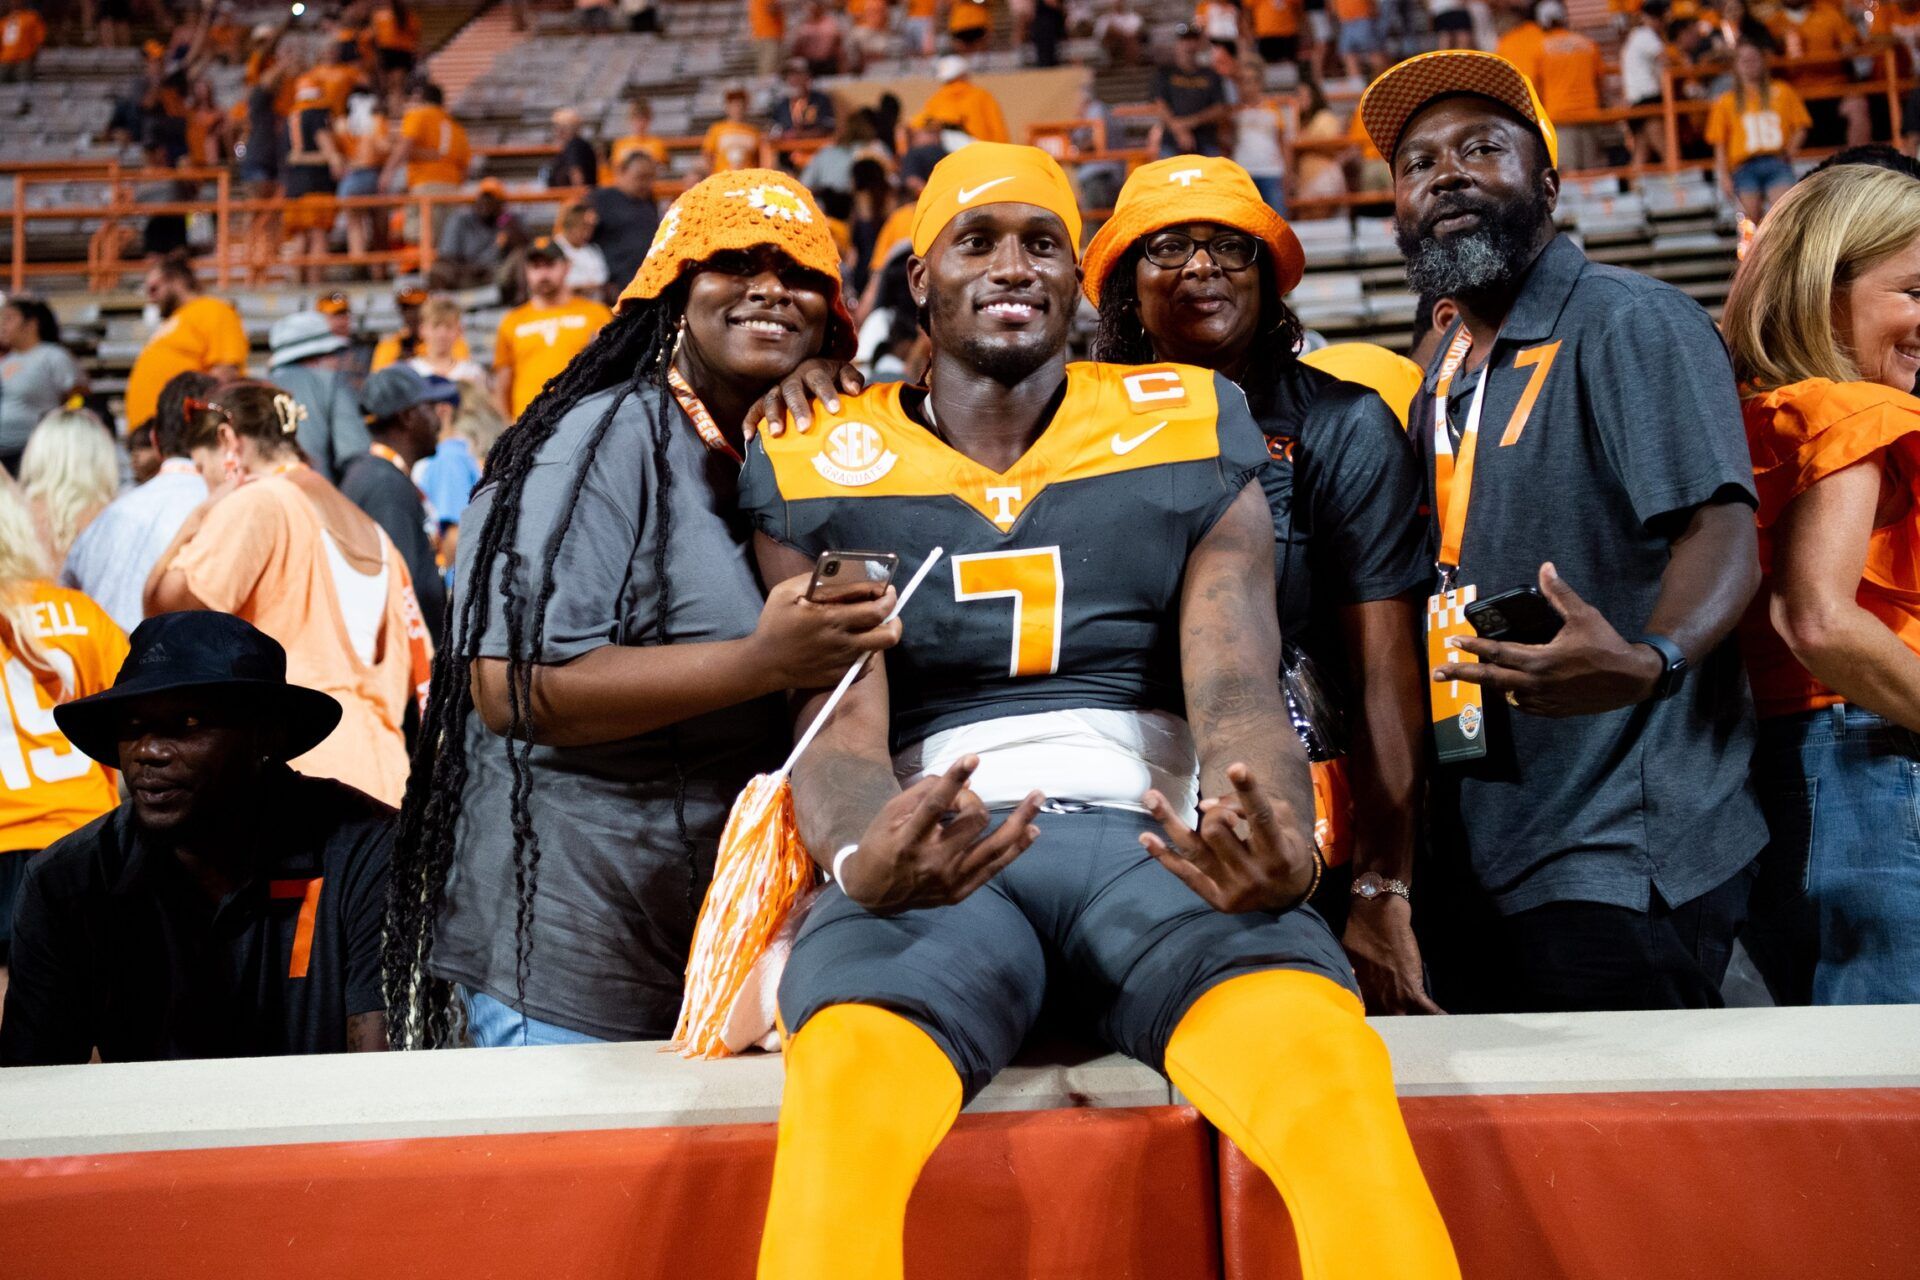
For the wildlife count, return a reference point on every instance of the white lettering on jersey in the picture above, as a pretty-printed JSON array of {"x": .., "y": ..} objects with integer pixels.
[{"x": 855, "y": 454}]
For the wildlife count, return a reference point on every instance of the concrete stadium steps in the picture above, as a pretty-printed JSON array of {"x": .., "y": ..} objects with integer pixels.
[{"x": 471, "y": 52}]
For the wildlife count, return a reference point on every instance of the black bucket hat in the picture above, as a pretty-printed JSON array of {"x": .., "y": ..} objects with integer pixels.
[{"x": 203, "y": 652}]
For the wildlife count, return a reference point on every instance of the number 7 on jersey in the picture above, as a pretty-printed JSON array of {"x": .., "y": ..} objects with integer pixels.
[{"x": 1035, "y": 583}]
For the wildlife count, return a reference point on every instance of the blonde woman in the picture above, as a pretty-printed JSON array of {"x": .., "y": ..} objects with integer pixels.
[
  {"x": 1824, "y": 324},
  {"x": 277, "y": 545},
  {"x": 55, "y": 645},
  {"x": 69, "y": 473}
]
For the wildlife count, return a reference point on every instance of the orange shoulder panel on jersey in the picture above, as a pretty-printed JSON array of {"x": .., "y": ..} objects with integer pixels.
[{"x": 1114, "y": 418}]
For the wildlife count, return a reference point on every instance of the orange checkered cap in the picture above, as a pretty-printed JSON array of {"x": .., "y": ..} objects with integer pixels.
[
  {"x": 738, "y": 210},
  {"x": 1186, "y": 189},
  {"x": 984, "y": 173},
  {"x": 1402, "y": 90}
]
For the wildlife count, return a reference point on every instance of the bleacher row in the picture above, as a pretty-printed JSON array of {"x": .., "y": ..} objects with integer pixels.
[{"x": 1673, "y": 226}]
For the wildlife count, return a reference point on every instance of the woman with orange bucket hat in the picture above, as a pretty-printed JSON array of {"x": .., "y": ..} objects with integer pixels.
[
  {"x": 1192, "y": 268},
  {"x": 611, "y": 674}
]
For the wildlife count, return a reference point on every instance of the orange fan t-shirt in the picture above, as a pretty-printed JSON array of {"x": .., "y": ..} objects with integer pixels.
[
  {"x": 335, "y": 83},
  {"x": 968, "y": 16},
  {"x": 262, "y": 554},
  {"x": 894, "y": 231},
  {"x": 731, "y": 144},
  {"x": 1799, "y": 435},
  {"x": 48, "y": 787},
  {"x": 1824, "y": 33},
  {"x": 21, "y": 35},
  {"x": 624, "y": 147},
  {"x": 387, "y": 351},
  {"x": 1355, "y": 10},
  {"x": 1522, "y": 47},
  {"x": 1747, "y": 128},
  {"x": 1570, "y": 68},
  {"x": 391, "y": 33},
  {"x": 440, "y": 152},
  {"x": 537, "y": 342},
  {"x": 766, "y": 20},
  {"x": 202, "y": 335},
  {"x": 1276, "y": 18}
]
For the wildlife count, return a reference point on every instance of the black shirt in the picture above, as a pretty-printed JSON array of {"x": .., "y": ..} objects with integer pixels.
[
  {"x": 812, "y": 114},
  {"x": 1346, "y": 492},
  {"x": 576, "y": 165},
  {"x": 387, "y": 494},
  {"x": 1188, "y": 93},
  {"x": 625, "y": 231},
  {"x": 116, "y": 946},
  {"x": 1611, "y": 415}
]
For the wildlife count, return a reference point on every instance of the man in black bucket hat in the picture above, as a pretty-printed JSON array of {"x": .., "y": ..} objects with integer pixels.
[{"x": 230, "y": 907}]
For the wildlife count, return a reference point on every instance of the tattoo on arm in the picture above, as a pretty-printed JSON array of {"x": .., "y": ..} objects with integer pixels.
[{"x": 1230, "y": 653}]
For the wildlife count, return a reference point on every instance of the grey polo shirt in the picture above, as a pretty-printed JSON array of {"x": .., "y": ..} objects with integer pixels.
[
  {"x": 1610, "y": 417},
  {"x": 617, "y": 888}
]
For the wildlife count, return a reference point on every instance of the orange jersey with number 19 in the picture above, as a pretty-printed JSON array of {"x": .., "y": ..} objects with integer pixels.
[
  {"x": 1062, "y": 586},
  {"x": 48, "y": 789}
]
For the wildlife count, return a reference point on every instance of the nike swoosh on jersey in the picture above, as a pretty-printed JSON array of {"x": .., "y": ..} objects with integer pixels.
[
  {"x": 967, "y": 195},
  {"x": 1124, "y": 445}
]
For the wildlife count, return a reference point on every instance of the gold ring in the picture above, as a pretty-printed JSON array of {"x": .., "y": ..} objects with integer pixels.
[{"x": 1512, "y": 701}]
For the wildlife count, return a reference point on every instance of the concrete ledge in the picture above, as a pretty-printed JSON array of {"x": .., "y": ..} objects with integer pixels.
[{"x": 59, "y": 1111}]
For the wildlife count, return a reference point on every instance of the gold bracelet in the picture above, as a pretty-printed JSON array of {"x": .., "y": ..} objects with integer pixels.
[{"x": 1313, "y": 885}]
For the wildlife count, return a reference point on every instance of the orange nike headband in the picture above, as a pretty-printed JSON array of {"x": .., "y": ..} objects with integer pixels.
[
  {"x": 984, "y": 173},
  {"x": 1169, "y": 193}
]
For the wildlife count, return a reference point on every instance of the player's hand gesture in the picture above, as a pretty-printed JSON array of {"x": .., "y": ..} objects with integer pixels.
[
  {"x": 1251, "y": 852},
  {"x": 930, "y": 847}
]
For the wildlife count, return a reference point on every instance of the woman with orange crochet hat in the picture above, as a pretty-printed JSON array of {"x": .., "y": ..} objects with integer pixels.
[
  {"x": 1824, "y": 327},
  {"x": 612, "y": 673},
  {"x": 1193, "y": 267}
]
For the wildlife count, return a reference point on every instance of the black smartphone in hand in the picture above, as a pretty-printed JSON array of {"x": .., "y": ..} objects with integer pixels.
[{"x": 1523, "y": 616}]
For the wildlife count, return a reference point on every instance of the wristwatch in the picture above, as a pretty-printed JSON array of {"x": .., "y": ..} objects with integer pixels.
[
  {"x": 1674, "y": 666},
  {"x": 1371, "y": 884}
]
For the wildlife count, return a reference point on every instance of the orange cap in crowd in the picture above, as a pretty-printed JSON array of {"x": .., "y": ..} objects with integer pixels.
[
  {"x": 742, "y": 209},
  {"x": 1402, "y": 90},
  {"x": 1168, "y": 193},
  {"x": 984, "y": 173},
  {"x": 492, "y": 187}
]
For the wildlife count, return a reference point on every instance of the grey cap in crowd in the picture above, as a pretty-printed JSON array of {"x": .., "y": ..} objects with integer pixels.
[{"x": 397, "y": 388}]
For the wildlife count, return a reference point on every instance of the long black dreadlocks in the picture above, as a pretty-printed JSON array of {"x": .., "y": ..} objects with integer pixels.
[
  {"x": 1120, "y": 338},
  {"x": 633, "y": 353}
]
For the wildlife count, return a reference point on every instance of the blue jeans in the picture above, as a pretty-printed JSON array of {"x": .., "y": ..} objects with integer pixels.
[
  {"x": 1273, "y": 190},
  {"x": 1763, "y": 174},
  {"x": 1836, "y": 912},
  {"x": 493, "y": 1025}
]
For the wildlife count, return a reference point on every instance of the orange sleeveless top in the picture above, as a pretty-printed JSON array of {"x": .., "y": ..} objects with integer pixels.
[{"x": 1799, "y": 435}]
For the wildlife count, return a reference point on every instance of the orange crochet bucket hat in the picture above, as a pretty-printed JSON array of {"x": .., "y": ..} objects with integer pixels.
[
  {"x": 1184, "y": 189},
  {"x": 741, "y": 209}
]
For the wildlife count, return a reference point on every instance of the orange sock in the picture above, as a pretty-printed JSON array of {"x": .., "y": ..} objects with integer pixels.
[
  {"x": 1284, "y": 1063},
  {"x": 868, "y": 1097}
]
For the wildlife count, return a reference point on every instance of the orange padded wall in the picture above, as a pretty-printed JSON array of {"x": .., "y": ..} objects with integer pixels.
[
  {"x": 1068, "y": 1195},
  {"x": 1813, "y": 1184}
]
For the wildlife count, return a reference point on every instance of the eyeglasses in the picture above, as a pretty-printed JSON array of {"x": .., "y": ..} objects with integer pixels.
[{"x": 1231, "y": 252}]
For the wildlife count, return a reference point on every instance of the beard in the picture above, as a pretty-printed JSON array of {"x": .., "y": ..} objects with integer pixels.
[{"x": 1497, "y": 250}]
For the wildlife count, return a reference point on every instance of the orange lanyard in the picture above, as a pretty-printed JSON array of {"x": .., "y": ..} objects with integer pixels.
[
  {"x": 702, "y": 420},
  {"x": 1453, "y": 476},
  {"x": 379, "y": 450}
]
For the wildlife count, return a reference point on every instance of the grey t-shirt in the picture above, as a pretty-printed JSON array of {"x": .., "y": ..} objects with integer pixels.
[
  {"x": 36, "y": 381},
  {"x": 617, "y": 889},
  {"x": 1611, "y": 416}
]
